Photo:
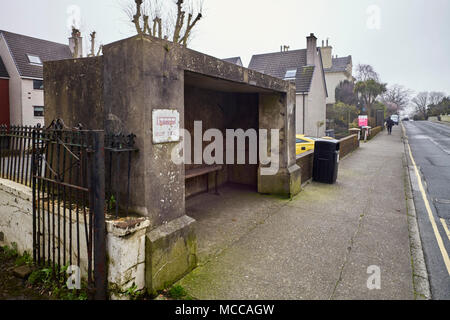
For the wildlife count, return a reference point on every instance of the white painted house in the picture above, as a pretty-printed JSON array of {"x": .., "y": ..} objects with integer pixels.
[
  {"x": 305, "y": 68},
  {"x": 337, "y": 70},
  {"x": 23, "y": 59}
]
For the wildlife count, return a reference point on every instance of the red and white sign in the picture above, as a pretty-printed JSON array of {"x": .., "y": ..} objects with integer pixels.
[
  {"x": 363, "y": 121},
  {"x": 166, "y": 126}
]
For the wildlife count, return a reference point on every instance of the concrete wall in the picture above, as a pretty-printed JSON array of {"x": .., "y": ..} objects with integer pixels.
[
  {"x": 305, "y": 161},
  {"x": 125, "y": 238},
  {"x": 220, "y": 110},
  {"x": 139, "y": 75},
  {"x": 74, "y": 92}
]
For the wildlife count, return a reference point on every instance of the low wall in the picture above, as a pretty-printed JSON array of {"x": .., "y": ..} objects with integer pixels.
[
  {"x": 305, "y": 162},
  {"x": 445, "y": 118},
  {"x": 348, "y": 145},
  {"x": 374, "y": 132},
  {"x": 125, "y": 239}
]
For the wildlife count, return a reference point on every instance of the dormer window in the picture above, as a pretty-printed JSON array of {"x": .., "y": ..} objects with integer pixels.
[
  {"x": 35, "y": 60},
  {"x": 291, "y": 74}
]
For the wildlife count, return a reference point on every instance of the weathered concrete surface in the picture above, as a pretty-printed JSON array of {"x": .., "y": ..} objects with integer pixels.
[
  {"x": 171, "y": 253},
  {"x": 126, "y": 255},
  {"x": 74, "y": 92},
  {"x": 320, "y": 244}
]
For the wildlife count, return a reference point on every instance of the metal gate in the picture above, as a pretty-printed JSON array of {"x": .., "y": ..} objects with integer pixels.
[{"x": 68, "y": 182}]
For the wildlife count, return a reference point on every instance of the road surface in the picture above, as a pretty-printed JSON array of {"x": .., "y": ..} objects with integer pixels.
[{"x": 430, "y": 146}]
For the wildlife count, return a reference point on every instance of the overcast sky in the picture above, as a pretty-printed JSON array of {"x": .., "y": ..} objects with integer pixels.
[{"x": 409, "y": 44}]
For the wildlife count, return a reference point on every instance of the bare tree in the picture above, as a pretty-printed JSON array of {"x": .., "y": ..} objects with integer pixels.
[
  {"x": 366, "y": 72},
  {"x": 175, "y": 23},
  {"x": 396, "y": 97},
  {"x": 421, "y": 102},
  {"x": 436, "y": 97},
  {"x": 93, "y": 46}
]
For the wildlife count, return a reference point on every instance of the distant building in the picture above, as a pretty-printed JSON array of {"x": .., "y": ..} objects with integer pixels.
[
  {"x": 235, "y": 60},
  {"x": 336, "y": 70},
  {"x": 21, "y": 71},
  {"x": 305, "y": 68}
]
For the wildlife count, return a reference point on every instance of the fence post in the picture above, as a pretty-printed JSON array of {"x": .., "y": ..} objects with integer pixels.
[{"x": 98, "y": 193}]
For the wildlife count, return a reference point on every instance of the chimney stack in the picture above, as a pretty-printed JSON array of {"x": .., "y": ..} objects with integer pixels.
[
  {"x": 76, "y": 43},
  {"x": 327, "y": 56},
  {"x": 311, "y": 49}
]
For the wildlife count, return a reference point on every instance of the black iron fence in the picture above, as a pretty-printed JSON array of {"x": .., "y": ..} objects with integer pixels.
[
  {"x": 15, "y": 153},
  {"x": 66, "y": 170}
]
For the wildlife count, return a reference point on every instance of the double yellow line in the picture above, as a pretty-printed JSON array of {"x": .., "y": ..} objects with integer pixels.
[{"x": 430, "y": 213}]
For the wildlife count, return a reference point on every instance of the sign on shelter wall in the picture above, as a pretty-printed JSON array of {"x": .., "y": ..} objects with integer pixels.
[{"x": 166, "y": 126}]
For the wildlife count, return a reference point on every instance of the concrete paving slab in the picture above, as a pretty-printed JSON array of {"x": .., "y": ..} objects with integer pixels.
[{"x": 316, "y": 246}]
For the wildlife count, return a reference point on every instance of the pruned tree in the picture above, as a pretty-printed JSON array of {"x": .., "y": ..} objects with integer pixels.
[
  {"x": 366, "y": 72},
  {"x": 421, "y": 102},
  {"x": 93, "y": 51},
  {"x": 151, "y": 17},
  {"x": 396, "y": 98}
]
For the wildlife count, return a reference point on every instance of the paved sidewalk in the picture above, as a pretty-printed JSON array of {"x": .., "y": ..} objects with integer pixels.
[{"x": 320, "y": 244}]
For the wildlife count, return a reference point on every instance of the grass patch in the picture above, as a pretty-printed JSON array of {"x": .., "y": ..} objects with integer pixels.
[{"x": 178, "y": 293}]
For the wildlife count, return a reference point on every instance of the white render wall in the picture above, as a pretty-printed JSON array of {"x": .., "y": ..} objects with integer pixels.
[
  {"x": 315, "y": 104},
  {"x": 22, "y": 96},
  {"x": 125, "y": 246},
  {"x": 31, "y": 98}
]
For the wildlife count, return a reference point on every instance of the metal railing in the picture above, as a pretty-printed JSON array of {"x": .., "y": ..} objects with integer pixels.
[
  {"x": 15, "y": 153},
  {"x": 66, "y": 170}
]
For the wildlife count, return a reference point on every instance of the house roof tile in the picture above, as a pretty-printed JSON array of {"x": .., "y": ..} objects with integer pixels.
[
  {"x": 339, "y": 64},
  {"x": 276, "y": 64},
  {"x": 20, "y": 46},
  {"x": 234, "y": 60}
]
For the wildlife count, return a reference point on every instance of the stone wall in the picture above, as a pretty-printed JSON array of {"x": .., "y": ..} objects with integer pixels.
[
  {"x": 348, "y": 145},
  {"x": 125, "y": 239},
  {"x": 374, "y": 132}
]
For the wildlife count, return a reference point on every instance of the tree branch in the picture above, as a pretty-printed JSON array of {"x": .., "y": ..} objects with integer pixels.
[{"x": 137, "y": 17}]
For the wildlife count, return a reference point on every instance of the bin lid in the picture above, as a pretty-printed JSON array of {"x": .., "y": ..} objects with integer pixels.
[{"x": 327, "y": 145}]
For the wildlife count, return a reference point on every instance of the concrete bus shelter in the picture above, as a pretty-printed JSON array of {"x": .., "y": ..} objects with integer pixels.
[{"x": 121, "y": 90}]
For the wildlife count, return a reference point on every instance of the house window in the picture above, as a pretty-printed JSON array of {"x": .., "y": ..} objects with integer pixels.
[
  {"x": 34, "y": 60},
  {"x": 290, "y": 74},
  {"x": 38, "y": 84},
  {"x": 38, "y": 111}
]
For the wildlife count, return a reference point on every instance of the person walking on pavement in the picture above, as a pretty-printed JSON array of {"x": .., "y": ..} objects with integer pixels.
[{"x": 389, "y": 124}]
